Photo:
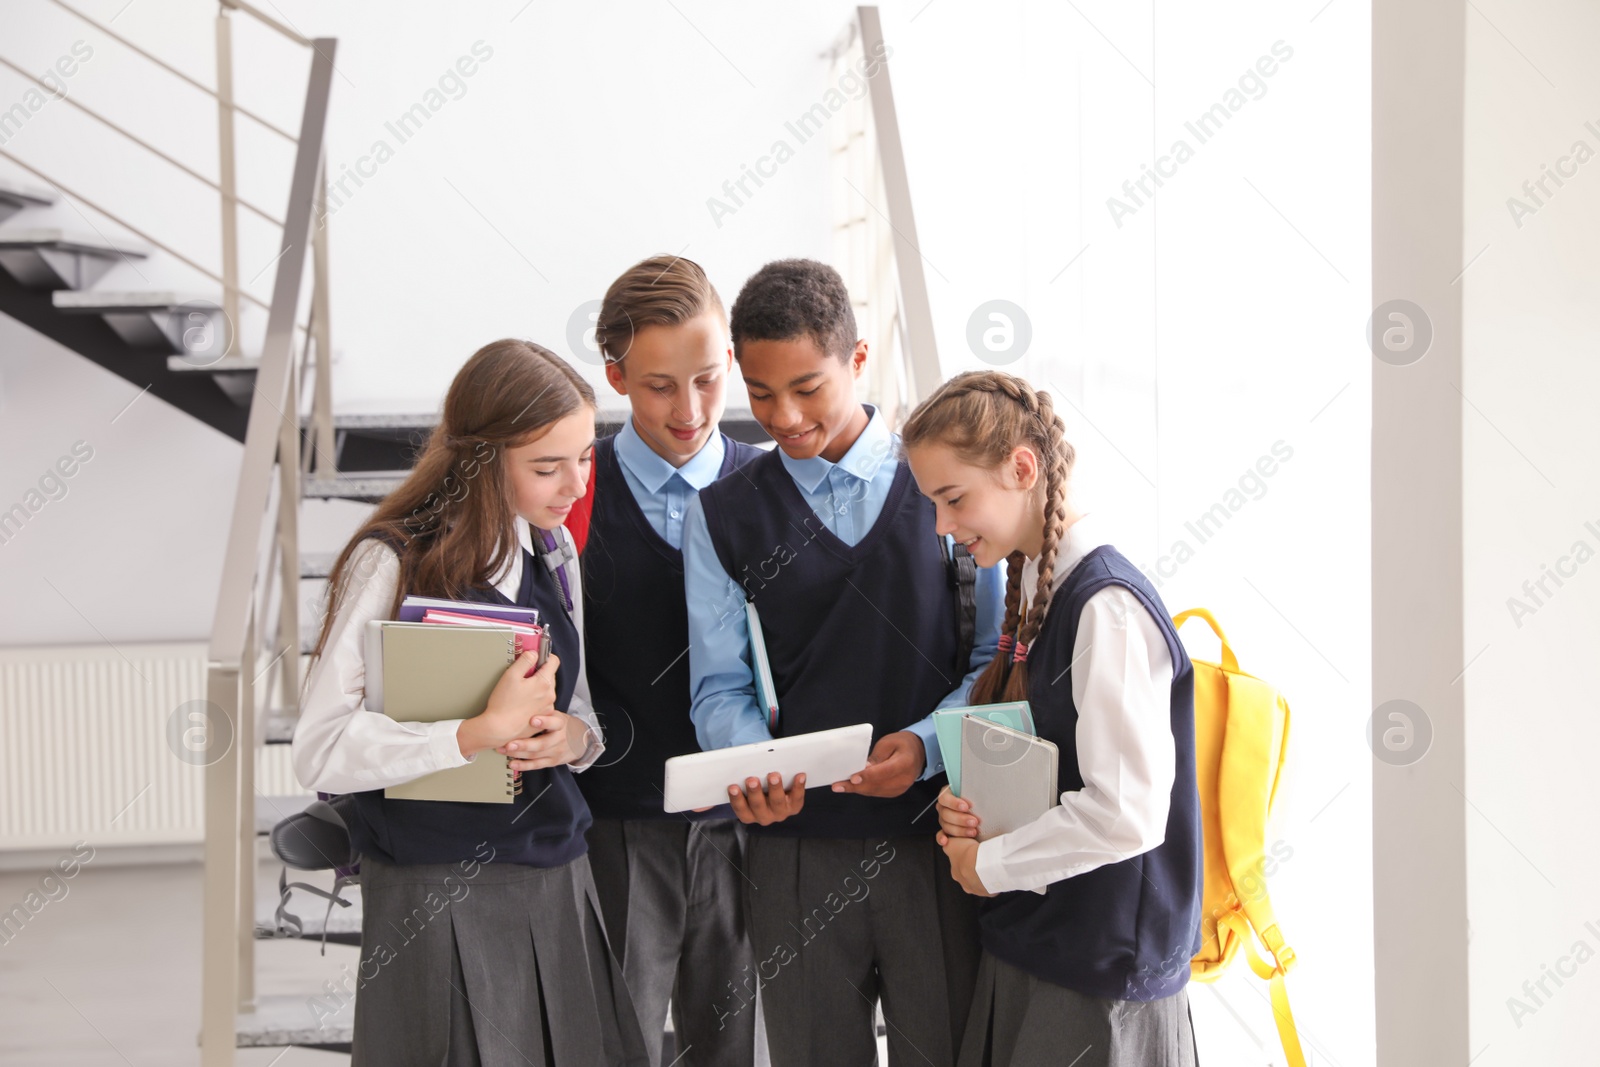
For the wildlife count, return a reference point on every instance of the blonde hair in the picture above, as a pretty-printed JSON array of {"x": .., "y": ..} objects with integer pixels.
[
  {"x": 660, "y": 291},
  {"x": 983, "y": 416}
]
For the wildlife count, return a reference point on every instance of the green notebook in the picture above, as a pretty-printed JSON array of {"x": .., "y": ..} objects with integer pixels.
[
  {"x": 947, "y": 726},
  {"x": 434, "y": 672}
]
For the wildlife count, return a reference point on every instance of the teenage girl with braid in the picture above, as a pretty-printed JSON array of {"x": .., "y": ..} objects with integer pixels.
[{"x": 1094, "y": 909}]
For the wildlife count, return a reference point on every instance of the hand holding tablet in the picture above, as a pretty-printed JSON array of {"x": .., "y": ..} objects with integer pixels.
[{"x": 768, "y": 769}]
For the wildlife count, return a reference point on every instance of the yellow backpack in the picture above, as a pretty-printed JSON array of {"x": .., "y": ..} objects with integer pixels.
[{"x": 1241, "y": 735}]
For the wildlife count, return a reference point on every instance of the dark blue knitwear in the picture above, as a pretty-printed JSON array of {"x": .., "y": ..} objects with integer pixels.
[
  {"x": 637, "y": 638},
  {"x": 1124, "y": 931}
]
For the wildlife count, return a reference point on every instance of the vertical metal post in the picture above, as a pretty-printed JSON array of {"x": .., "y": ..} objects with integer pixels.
[
  {"x": 244, "y": 745},
  {"x": 922, "y": 351},
  {"x": 322, "y": 394},
  {"x": 289, "y": 545},
  {"x": 219, "y": 957},
  {"x": 226, "y": 178}
]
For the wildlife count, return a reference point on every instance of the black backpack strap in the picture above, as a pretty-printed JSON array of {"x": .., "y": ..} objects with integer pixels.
[{"x": 963, "y": 571}]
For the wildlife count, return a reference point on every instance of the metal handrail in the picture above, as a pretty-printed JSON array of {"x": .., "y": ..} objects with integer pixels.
[
  {"x": 916, "y": 311},
  {"x": 174, "y": 71},
  {"x": 267, "y": 20},
  {"x": 266, "y": 492},
  {"x": 141, "y": 142}
]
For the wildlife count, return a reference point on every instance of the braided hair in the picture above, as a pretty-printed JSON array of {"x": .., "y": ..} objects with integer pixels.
[{"x": 983, "y": 416}]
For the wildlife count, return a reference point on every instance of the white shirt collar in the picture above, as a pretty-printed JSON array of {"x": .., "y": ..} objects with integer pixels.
[
  {"x": 654, "y": 472},
  {"x": 1082, "y": 537},
  {"x": 510, "y": 580}
]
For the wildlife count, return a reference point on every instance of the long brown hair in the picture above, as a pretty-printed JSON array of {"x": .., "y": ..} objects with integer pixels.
[
  {"x": 983, "y": 416},
  {"x": 450, "y": 520}
]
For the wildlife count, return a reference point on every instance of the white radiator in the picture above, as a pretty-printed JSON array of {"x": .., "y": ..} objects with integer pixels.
[{"x": 84, "y": 751}]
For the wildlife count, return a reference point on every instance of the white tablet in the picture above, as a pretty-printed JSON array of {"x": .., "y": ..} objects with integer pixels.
[{"x": 701, "y": 780}]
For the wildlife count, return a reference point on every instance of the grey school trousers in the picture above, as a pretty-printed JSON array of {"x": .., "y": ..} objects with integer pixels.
[
  {"x": 840, "y": 924},
  {"x": 670, "y": 891}
]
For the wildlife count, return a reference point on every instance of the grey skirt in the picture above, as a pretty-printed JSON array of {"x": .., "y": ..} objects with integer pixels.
[
  {"x": 487, "y": 964},
  {"x": 1018, "y": 1020}
]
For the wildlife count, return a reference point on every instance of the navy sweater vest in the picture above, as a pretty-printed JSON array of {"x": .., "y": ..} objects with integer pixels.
[
  {"x": 863, "y": 633},
  {"x": 638, "y": 633},
  {"x": 1124, "y": 931},
  {"x": 544, "y": 827}
]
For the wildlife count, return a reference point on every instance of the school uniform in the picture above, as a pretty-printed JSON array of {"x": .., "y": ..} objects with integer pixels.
[
  {"x": 669, "y": 883},
  {"x": 482, "y": 940},
  {"x": 1087, "y": 944},
  {"x": 850, "y": 901}
]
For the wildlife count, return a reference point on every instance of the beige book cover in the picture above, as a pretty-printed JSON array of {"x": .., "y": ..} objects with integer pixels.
[{"x": 432, "y": 673}]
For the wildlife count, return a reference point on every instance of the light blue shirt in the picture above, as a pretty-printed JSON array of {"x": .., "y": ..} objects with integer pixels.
[
  {"x": 662, "y": 491},
  {"x": 848, "y": 497}
]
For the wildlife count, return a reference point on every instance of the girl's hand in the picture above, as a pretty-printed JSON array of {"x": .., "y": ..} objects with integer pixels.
[
  {"x": 519, "y": 696},
  {"x": 770, "y": 803},
  {"x": 955, "y": 815},
  {"x": 561, "y": 738},
  {"x": 962, "y": 853},
  {"x": 894, "y": 765}
]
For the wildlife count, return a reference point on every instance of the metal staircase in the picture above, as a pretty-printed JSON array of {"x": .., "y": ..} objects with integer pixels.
[{"x": 271, "y": 390}]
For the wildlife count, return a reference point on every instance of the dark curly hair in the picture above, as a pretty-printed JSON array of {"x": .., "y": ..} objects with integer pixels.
[{"x": 792, "y": 298}]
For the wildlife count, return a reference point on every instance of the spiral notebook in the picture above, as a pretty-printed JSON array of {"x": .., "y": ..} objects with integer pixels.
[{"x": 431, "y": 673}]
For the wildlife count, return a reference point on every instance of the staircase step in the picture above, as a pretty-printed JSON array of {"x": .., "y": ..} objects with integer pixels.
[
  {"x": 280, "y": 723},
  {"x": 16, "y": 196},
  {"x": 272, "y": 810},
  {"x": 234, "y": 375},
  {"x": 190, "y": 327},
  {"x": 313, "y": 1019},
  {"x": 343, "y": 925},
  {"x": 359, "y": 421},
  {"x": 53, "y": 258},
  {"x": 368, "y": 486}
]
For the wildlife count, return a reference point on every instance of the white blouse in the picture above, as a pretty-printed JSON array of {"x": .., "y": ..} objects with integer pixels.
[
  {"x": 1122, "y": 688},
  {"x": 340, "y": 746}
]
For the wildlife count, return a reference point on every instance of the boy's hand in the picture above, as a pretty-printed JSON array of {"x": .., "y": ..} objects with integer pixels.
[
  {"x": 770, "y": 804},
  {"x": 896, "y": 762},
  {"x": 962, "y": 852},
  {"x": 955, "y": 815}
]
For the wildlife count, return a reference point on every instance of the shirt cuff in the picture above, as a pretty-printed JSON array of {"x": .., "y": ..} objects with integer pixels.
[
  {"x": 932, "y": 757},
  {"x": 592, "y": 750},
  {"x": 991, "y": 871},
  {"x": 444, "y": 746}
]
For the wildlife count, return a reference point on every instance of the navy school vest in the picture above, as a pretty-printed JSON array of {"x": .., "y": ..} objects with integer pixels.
[
  {"x": 863, "y": 633},
  {"x": 543, "y": 827},
  {"x": 1124, "y": 931},
  {"x": 637, "y": 642}
]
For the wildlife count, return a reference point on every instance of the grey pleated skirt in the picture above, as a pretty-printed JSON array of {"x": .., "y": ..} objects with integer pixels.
[
  {"x": 505, "y": 965},
  {"x": 1018, "y": 1020}
]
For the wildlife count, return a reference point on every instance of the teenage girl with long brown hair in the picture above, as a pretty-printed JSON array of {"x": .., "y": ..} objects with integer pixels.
[
  {"x": 1095, "y": 905},
  {"x": 481, "y": 937}
]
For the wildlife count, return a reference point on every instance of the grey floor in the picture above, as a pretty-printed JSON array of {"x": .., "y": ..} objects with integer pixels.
[{"x": 109, "y": 974}]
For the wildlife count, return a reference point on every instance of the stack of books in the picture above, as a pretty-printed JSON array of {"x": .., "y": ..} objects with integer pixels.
[{"x": 440, "y": 660}]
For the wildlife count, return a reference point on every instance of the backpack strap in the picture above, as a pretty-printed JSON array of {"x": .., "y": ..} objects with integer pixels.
[
  {"x": 963, "y": 573},
  {"x": 1230, "y": 662}
]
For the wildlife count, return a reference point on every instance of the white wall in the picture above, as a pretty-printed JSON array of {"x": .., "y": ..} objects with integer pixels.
[{"x": 1530, "y": 382}]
